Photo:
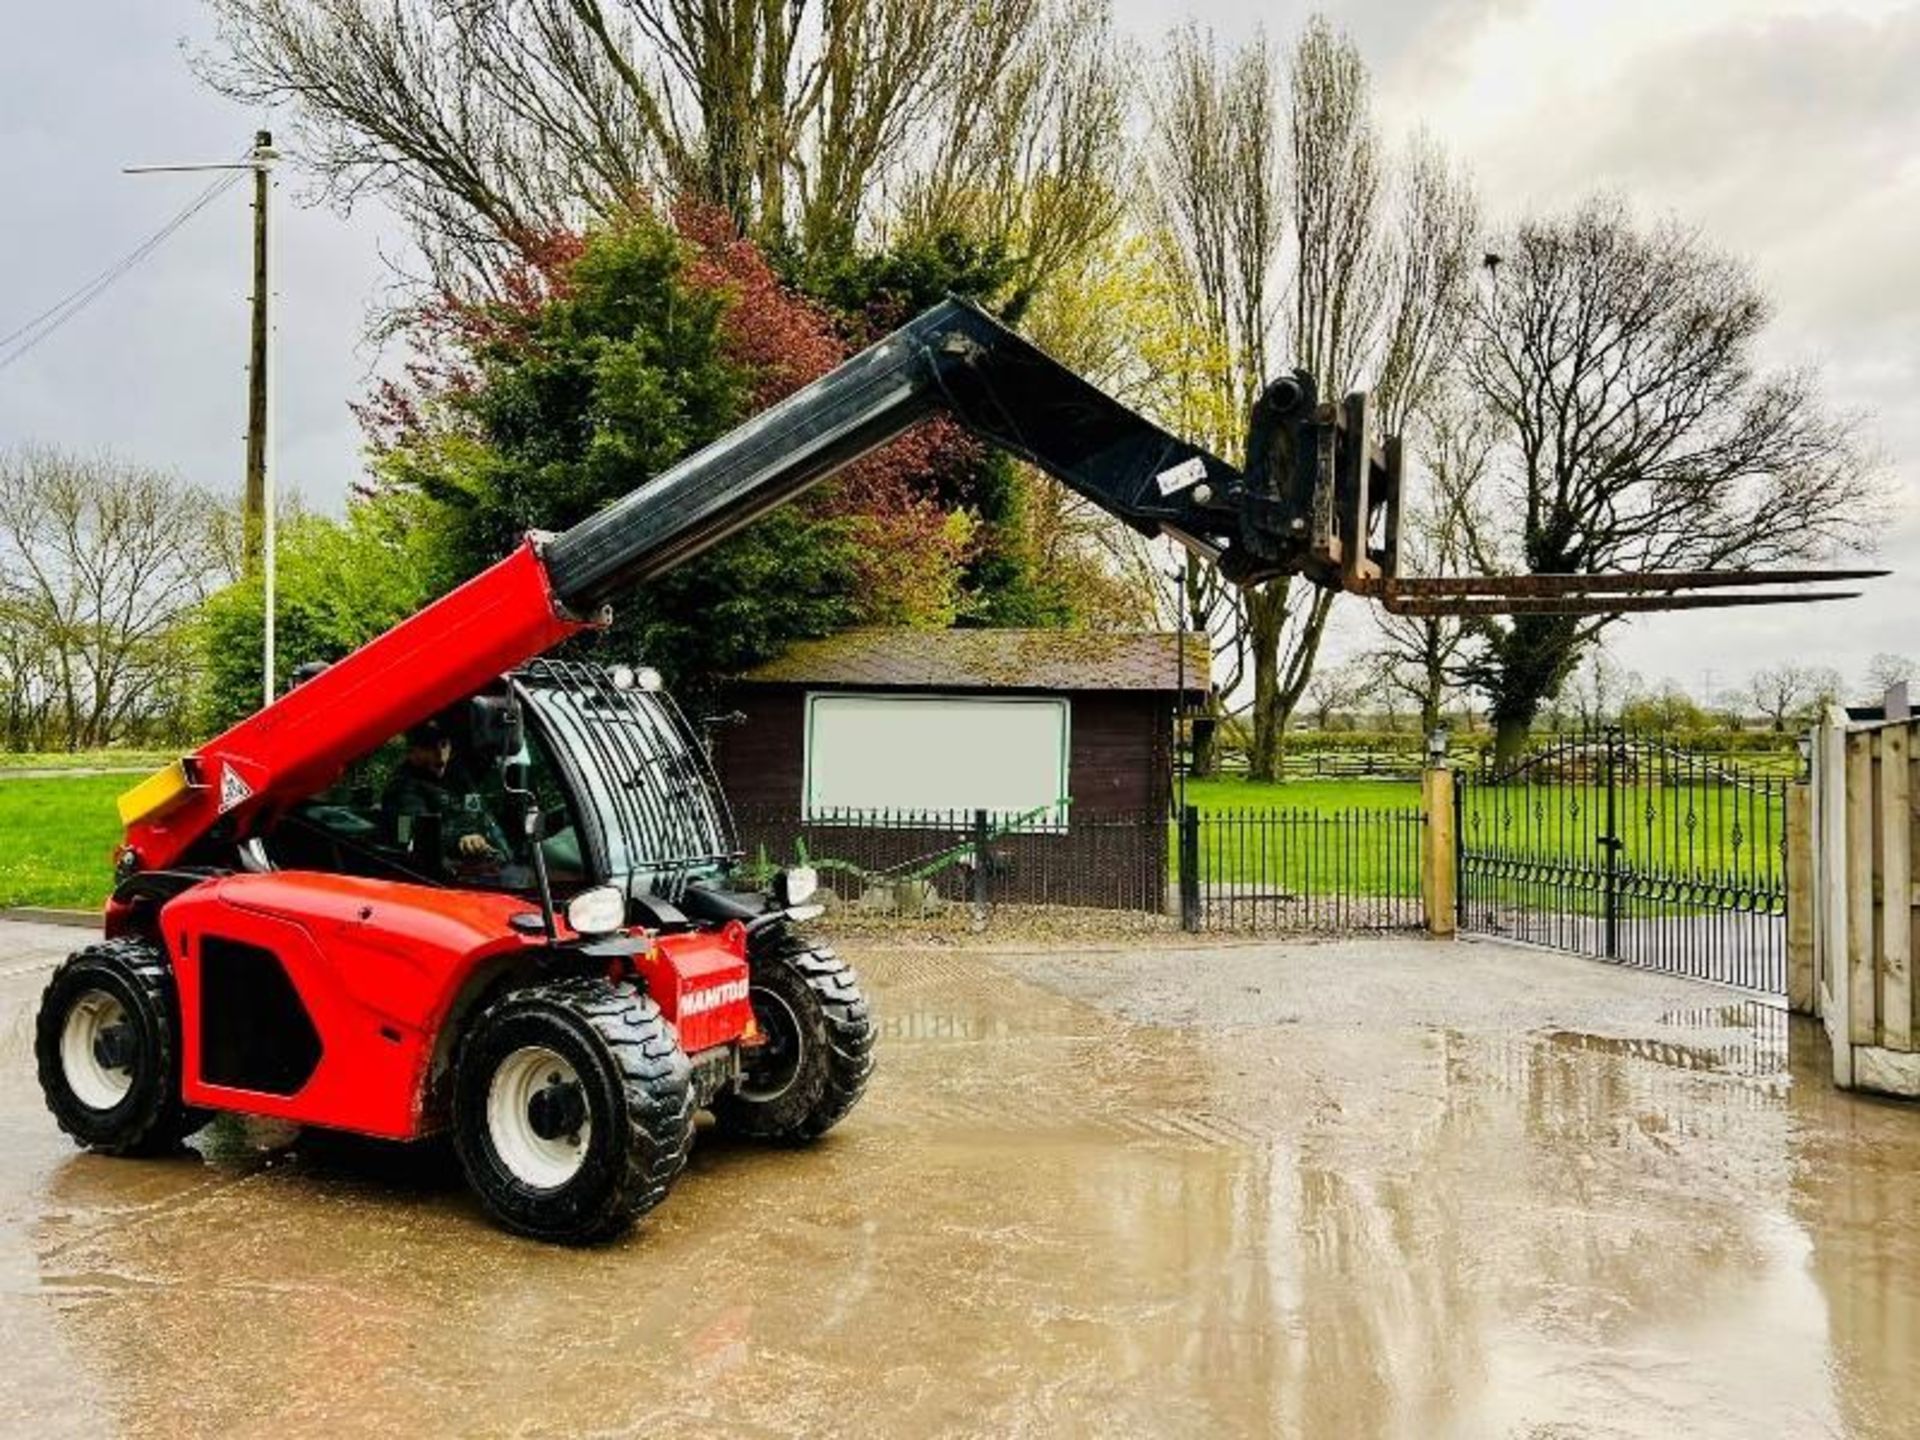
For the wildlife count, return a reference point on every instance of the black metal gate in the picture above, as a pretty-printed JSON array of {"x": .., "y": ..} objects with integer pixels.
[{"x": 1631, "y": 849}]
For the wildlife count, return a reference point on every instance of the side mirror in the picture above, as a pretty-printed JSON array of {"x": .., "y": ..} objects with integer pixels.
[{"x": 496, "y": 726}]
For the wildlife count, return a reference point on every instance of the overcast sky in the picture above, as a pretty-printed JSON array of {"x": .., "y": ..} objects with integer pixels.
[{"x": 1787, "y": 130}]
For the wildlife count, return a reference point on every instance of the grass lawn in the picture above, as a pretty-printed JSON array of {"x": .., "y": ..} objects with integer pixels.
[
  {"x": 1716, "y": 830},
  {"x": 56, "y": 839},
  {"x": 1306, "y": 837},
  {"x": 130, "y": 760},
  {"x": 1287, "y": 834},
  {"x": 1711, "y": 829},
  {"x": 1323, "y": 796}
]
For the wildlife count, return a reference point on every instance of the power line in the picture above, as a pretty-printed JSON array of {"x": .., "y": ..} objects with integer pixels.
[{"x": 48, "y": 321}]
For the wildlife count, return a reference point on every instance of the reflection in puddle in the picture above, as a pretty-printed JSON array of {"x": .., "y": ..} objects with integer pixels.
[
  {"x": 1046, "y": 1220},
  {"x": 1748, "y": 1054},
  {"x": 932, "y": 1025}
]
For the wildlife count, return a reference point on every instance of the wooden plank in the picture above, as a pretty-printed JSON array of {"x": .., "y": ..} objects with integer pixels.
[
  {"x": 1875, "y": 741},
  {"x": 1438, "y": 882},
  {"x": 1801, "y": 879},
  {"x": 1913, "y": 910},
  {"x": 1830, "y": 956},
  {"x": 1859, "y": 978},
  {"x": 1896, "y": 885}
]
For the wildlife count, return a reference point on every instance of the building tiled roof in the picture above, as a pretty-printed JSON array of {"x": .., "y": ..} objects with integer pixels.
[{"x": 991, "y": 660}]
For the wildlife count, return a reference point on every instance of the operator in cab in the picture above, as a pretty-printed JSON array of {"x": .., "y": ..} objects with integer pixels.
[{"x": 430, "y": 782}]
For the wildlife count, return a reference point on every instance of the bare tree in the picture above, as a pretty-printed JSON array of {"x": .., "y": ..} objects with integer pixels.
[
  {"x": 1215, "y": 221},
  {"x": 492, "y": 125},
  {"x": 1029, "y": 144},
  {"x": 1427, "y": 274},
  {"x": 1333, "y": 189},
  {"x": 1886, "y": 670},
  {"x": 1335, "y": 690},
  {"x": 1783, "y": 693},
  {"x": 1601, "y": 689},
  {"x": 99, "y": 562},
  {"x": 1234, "y": 208},
  {"x": 1421, "y": 655},
  {"x": 1638, "y": 431}
]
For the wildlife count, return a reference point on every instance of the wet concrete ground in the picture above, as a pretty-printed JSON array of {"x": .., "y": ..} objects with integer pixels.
[{"x": 1367, "y": 1188}]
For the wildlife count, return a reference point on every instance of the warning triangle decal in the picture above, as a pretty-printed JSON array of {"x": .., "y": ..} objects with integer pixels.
[{"x": 233, "y": 789}]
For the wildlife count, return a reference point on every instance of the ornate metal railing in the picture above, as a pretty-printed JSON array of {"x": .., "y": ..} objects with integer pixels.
[{"x": 1632, "y": 849}]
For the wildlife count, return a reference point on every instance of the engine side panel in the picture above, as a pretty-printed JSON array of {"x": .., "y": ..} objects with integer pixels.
[{"x": 370, "y": 966}]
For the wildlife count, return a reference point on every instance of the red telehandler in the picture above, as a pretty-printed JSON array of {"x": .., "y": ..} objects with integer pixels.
[{"x": 561, "y": 967}]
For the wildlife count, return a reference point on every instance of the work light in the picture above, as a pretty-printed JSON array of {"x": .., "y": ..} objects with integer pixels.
[
  {"x": 598, "y": 911},
  {"x": 795, "y": 885}
]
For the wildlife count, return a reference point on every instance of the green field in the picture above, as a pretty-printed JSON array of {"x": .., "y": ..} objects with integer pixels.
[
  {"x": 57, "y": 833},
  {"x": 56, "y": 839},
  {"x": 1726, "y": 833},
  {"x": 1324, "y": 796},
  {"x": 1306, "y": 837},
  {"x": 129, "y": 760},
  {"x": 1714, "y": 829},
  {"x": 1717, "y": 830}
]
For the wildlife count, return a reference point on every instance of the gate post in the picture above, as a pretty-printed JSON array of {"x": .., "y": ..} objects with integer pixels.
[
  {"x": 1800, "y": 898},
  {"x": 1190, "y": 867},
  {"x": 1439, "y": 854},
  {"x": 1611, "y": 843},
  {"x": 982, "y": 882}
]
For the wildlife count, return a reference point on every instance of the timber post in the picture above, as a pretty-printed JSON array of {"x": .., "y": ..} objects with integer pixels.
[
  {"x": 1189, "y": 868},
  {"x": 1801, "y": 879},
  {"x": 1439, "y": 854}
]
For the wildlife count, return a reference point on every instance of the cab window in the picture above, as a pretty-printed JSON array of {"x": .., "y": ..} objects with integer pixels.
[{"x": 423, "y": 807}]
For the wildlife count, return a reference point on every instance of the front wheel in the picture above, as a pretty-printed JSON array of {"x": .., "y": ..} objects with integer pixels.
[
  {"x": 572, "y": 1109},
  {"x": 815, "y": 1050},
  {"x": 107, "y": 1049}
]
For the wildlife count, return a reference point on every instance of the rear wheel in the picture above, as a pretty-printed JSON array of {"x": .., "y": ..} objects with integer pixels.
[
  {"x": 107, "y": 1049},
  {"x": 573, "y": 1109},
  {"x": 816, "y": 1048}
]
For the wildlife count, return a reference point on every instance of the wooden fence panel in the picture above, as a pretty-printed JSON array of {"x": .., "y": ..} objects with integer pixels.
[
  {"x": 1861, "y": 980},
  {"x": 1865, "y": 925},
  {"x": 1895, "y": 930}
]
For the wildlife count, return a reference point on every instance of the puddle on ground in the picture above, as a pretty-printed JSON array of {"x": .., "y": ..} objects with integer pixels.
[{"x": 1045, "y": 1219}]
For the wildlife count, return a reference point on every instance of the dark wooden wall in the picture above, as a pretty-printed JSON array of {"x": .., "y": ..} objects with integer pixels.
[
  {"x": 1114, "y": 853},
  {"x": 1120, "y": 761}
]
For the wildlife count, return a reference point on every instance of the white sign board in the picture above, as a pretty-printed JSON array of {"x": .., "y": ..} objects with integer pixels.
[{"x": 946, "y": 753}]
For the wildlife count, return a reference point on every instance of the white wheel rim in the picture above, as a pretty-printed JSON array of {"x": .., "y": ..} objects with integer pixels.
[
  {"x": 94, "y": 1085},
  {"x": 531, "y": 1158}
]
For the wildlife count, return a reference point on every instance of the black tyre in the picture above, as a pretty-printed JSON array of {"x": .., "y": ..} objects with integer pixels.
[
  {"x": 817, "y": 1047},
  {"x": 107, "y": 1048},
  {"x": 572, "y": 1109}
]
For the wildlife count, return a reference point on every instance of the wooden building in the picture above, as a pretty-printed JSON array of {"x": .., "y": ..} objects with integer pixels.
[{"x": 885, "y": 744}]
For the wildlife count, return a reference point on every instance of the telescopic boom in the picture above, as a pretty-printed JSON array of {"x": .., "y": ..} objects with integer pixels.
[{"x": 1317, "y": 489}]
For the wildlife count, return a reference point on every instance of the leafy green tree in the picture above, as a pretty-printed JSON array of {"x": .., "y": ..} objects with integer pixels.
[
  {"x": 1666, "y": 711},
  {"x": 339, "y": 584},
  {"x": 1008, "y": 580},
  {"x": 609, "y": 359}
]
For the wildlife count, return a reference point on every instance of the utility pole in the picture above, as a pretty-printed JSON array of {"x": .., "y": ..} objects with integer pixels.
[
  {"x": 254, "y": 508},
  {"x": 258, "y": 539}
]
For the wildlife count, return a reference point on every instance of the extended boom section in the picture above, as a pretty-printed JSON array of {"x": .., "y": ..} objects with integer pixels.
[
  {"x": 1319, "y": 497},
  {"x": 954, "y": 360}
]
